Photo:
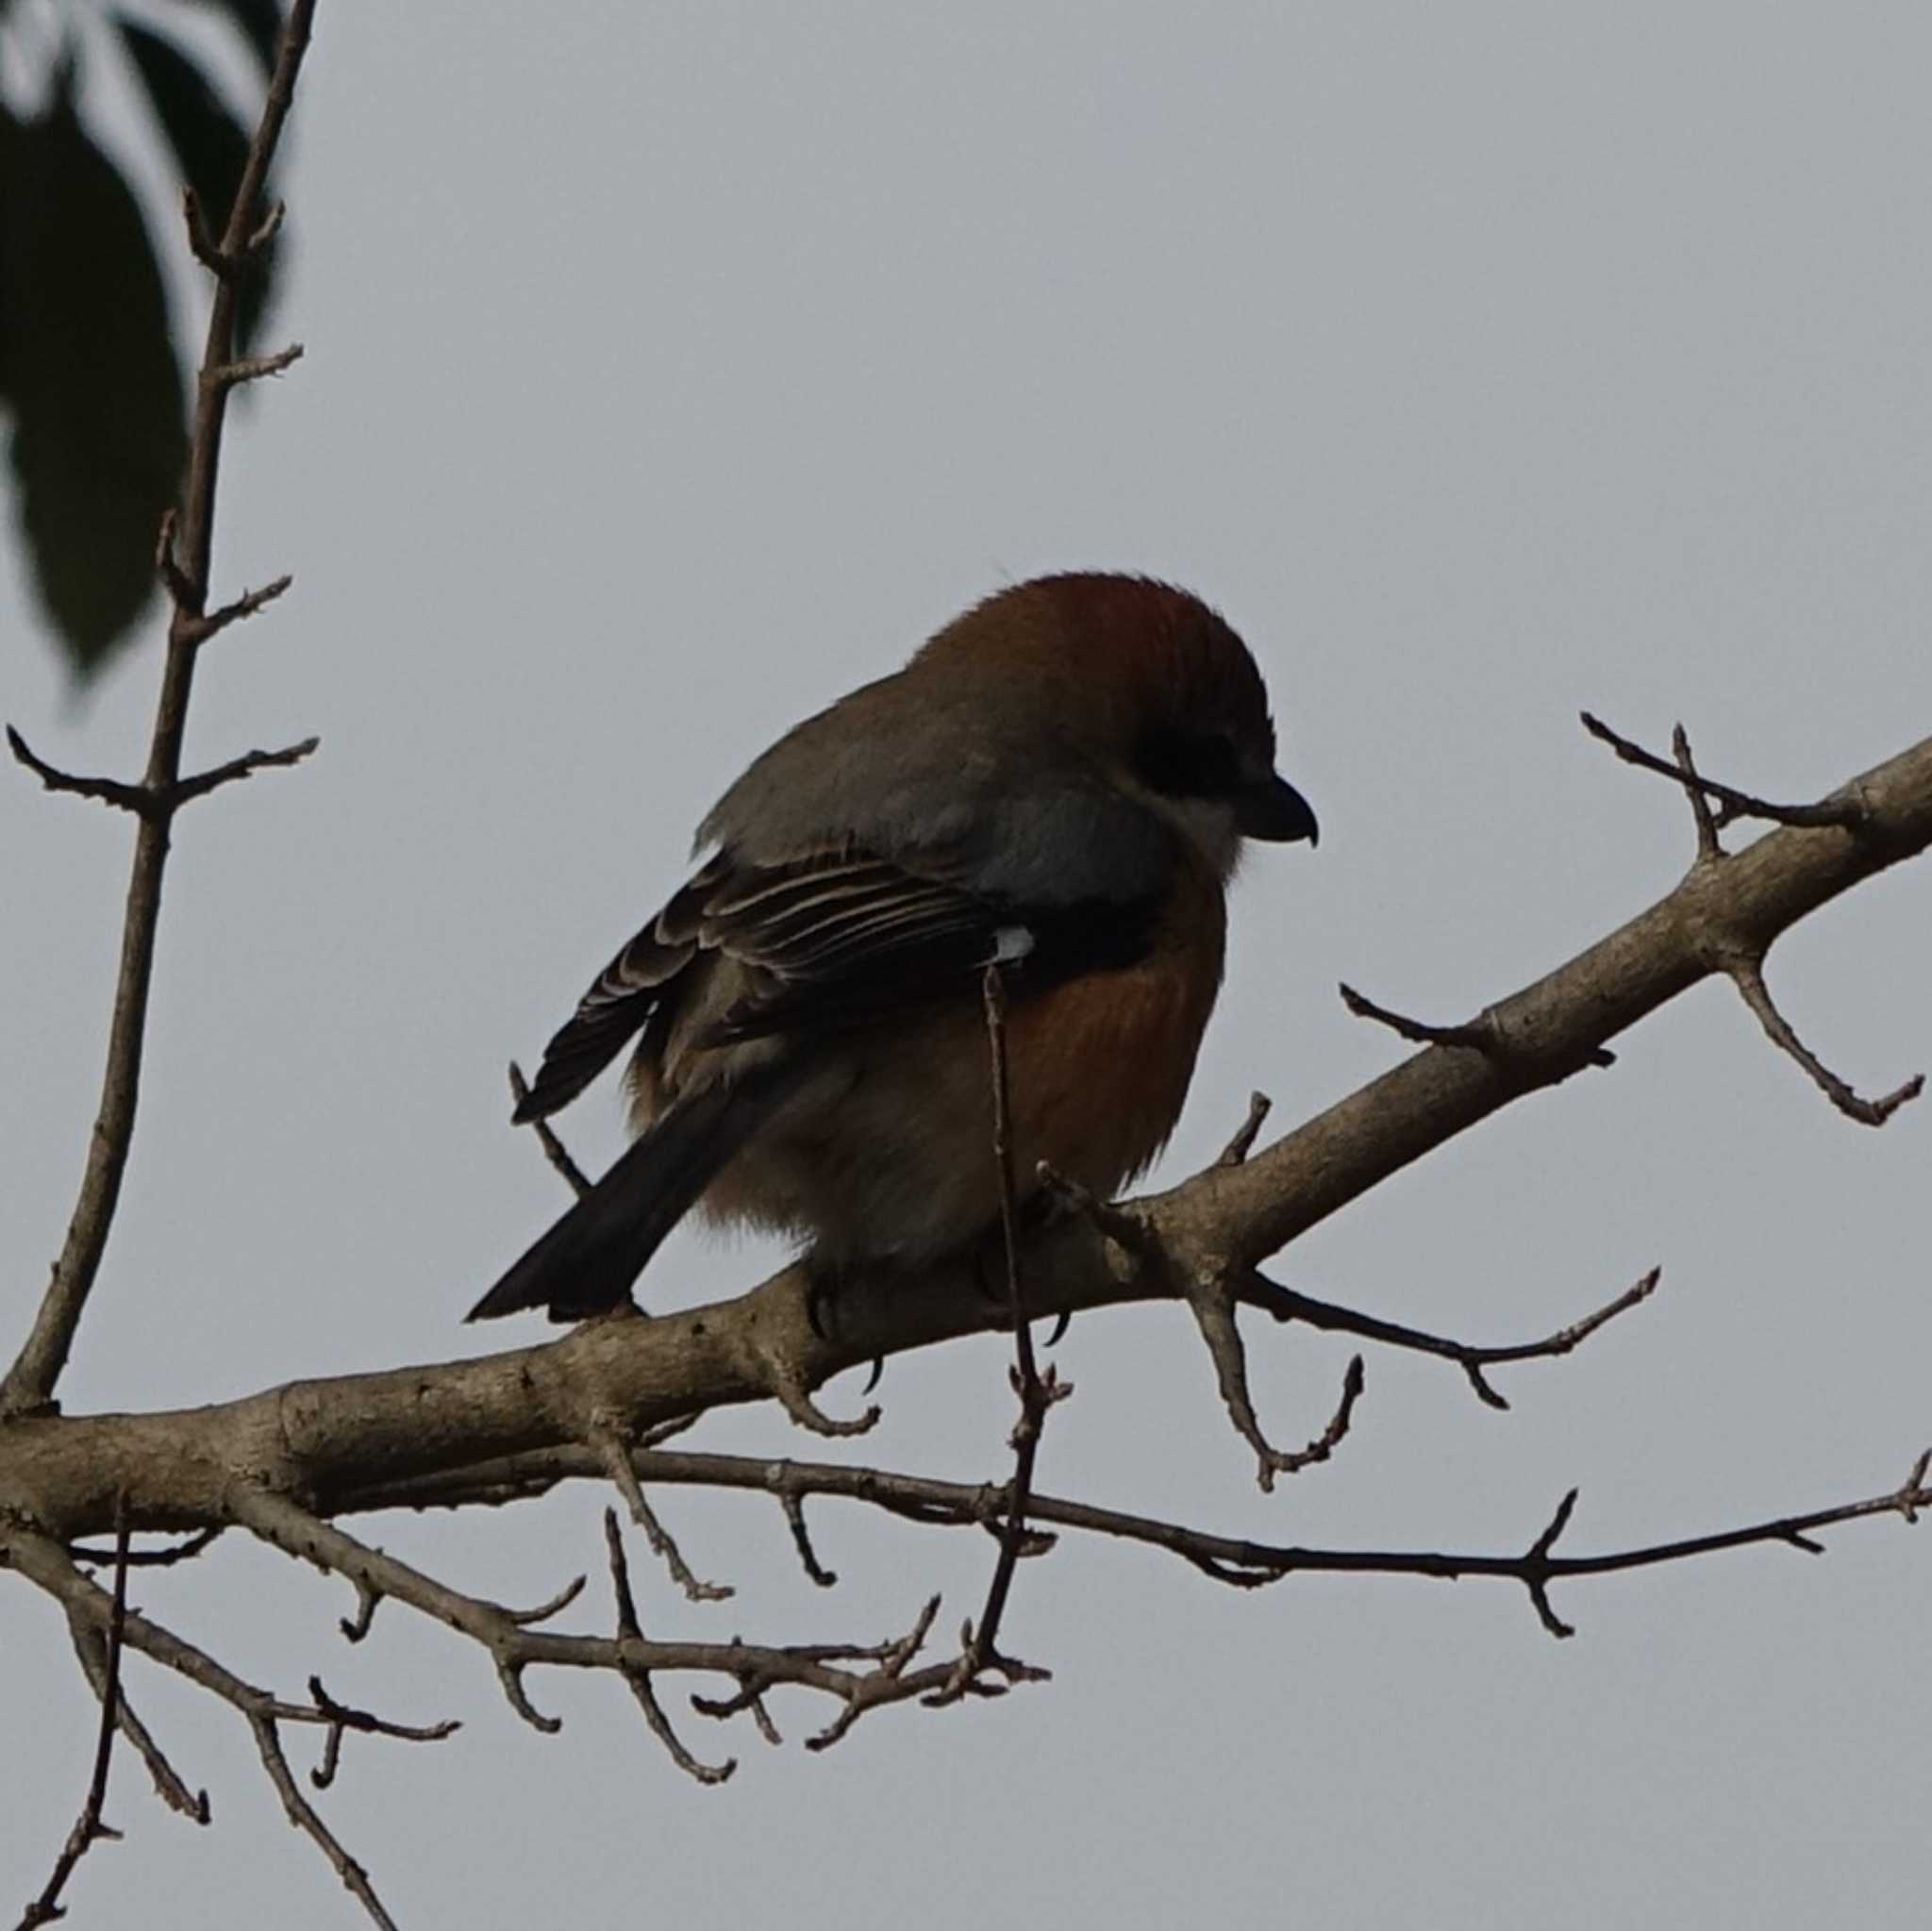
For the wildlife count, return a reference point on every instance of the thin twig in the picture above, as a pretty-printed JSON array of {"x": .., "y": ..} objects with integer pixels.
[
  {"x": 608, "y": 1439},
  {"x": 1414, "y": 1030},
  {"x": 202, "y": 782},
  {"x": 1242, "y": 1144},
  {"x": 638, "y": 1679},
  {"x": 1709, "y": 846},
  {"x": 245, "y": 605},
  {"x": 253, "y": 368},
  {"x": 553, "y": 1148},
  {"x": 794, "y": 1505},
  {"x": 89, "y": 1827},
  {"x": 1288, "y": 1304},
  {"x": 151, "y": 1558},
  {"x": 1747, "y": 974},
  {"x": 1479, "y": 1035},
  {"x": 1849, "y": 814},
  {"x": 343, "y": 1717},
  {"x": 979, "y": 1649},
  {"x": 185, "y": 559},
  {"x": 107, "y": 791}
]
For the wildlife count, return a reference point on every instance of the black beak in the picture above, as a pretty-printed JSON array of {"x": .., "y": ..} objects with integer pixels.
[{"x": 1276, "y": 811}]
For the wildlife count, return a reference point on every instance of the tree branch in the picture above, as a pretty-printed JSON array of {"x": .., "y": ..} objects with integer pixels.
[
  {"x": 344, "y": 1440},
  {"x": 186, "y": 560},
  {"x": 1236, "y": 1561},
  {"x": 89, "y": 1827}
]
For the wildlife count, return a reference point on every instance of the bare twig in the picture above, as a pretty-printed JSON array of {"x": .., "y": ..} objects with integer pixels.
[
  {"x": 1479, "y": 1035},
  {"x": 244, "y": 607},
  {"x": 151, "y": 1558},
  {"x": 1535, "y": 1569},
  {"x": 253, "y": 368},
  {"x": 305, "y": 1818},
  {"x": 90, "y": 1651},
  {"x": 1414, "y": 1030},
  {"x": 107, "y": 791},
  {"x": 1709, "y": 846},
  {"x": 615, "y": 1453},
  {"x": 979, "y": 1649},
  {"x": 1286, "y": 1304},
  {"x": 553, "y": 1148},
  {"x": 1847, "y": 813},
  {"x": 793, "y": 1505},
  {"x": 343, "y": 1717},
  {"x": 1242, "y": 1144},
  {"x": 44, "y": 1563},
  {"x": 185, "y": 559},
  {"x": 1747, "y": 974},
  {"x": 931, "y": 1501},
  {"x": 639, "y": 1679},
  {"x": 202, "y": 782},
  {"x": 90, "y": 1827}
]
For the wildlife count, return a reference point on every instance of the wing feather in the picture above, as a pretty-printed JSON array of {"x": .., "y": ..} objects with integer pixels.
[{"x": 829, "y": 941}]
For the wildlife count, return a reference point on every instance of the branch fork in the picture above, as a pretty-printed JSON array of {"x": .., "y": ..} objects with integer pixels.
[{"x": 1742, "y": 960}]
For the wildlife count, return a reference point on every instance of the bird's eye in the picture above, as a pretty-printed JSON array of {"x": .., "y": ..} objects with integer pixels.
[{"x": 1189, "y": 765}]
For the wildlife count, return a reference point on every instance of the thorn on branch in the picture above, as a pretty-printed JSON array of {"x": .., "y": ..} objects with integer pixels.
[
  {"x": 553, "y": 1148},
  {"x": 199, "y": 629},
  {"x": 1746, "y": 972},
  {"x": 1242, "y": 1144},
  {"x": 253, "y": 368},
  {"x": 267, "y": 228}
]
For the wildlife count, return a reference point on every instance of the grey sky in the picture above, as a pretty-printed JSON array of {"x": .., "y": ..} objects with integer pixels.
[{"x": 671, "y": 370}]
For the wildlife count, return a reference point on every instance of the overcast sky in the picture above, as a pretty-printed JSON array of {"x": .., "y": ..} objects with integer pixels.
[{"x": 672, "y": 370}]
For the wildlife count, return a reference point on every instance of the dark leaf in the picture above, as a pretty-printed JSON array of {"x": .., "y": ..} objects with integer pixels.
[
  {"x": 98, "y": 434},
  {"x": 209, "y": 145}
]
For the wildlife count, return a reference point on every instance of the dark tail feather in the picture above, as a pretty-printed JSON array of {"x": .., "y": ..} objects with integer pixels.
[{"x": 587, "y": 1261}]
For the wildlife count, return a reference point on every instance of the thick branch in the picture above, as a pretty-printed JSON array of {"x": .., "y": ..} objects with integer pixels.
[{"x": 343, "y": 1442}]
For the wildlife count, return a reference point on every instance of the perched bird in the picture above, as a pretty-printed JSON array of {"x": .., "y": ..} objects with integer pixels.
[{"x": 1059, "y": 781}]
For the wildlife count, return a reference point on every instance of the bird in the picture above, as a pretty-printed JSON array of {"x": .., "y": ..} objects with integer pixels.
[{"x": 1059, "y": 783}]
